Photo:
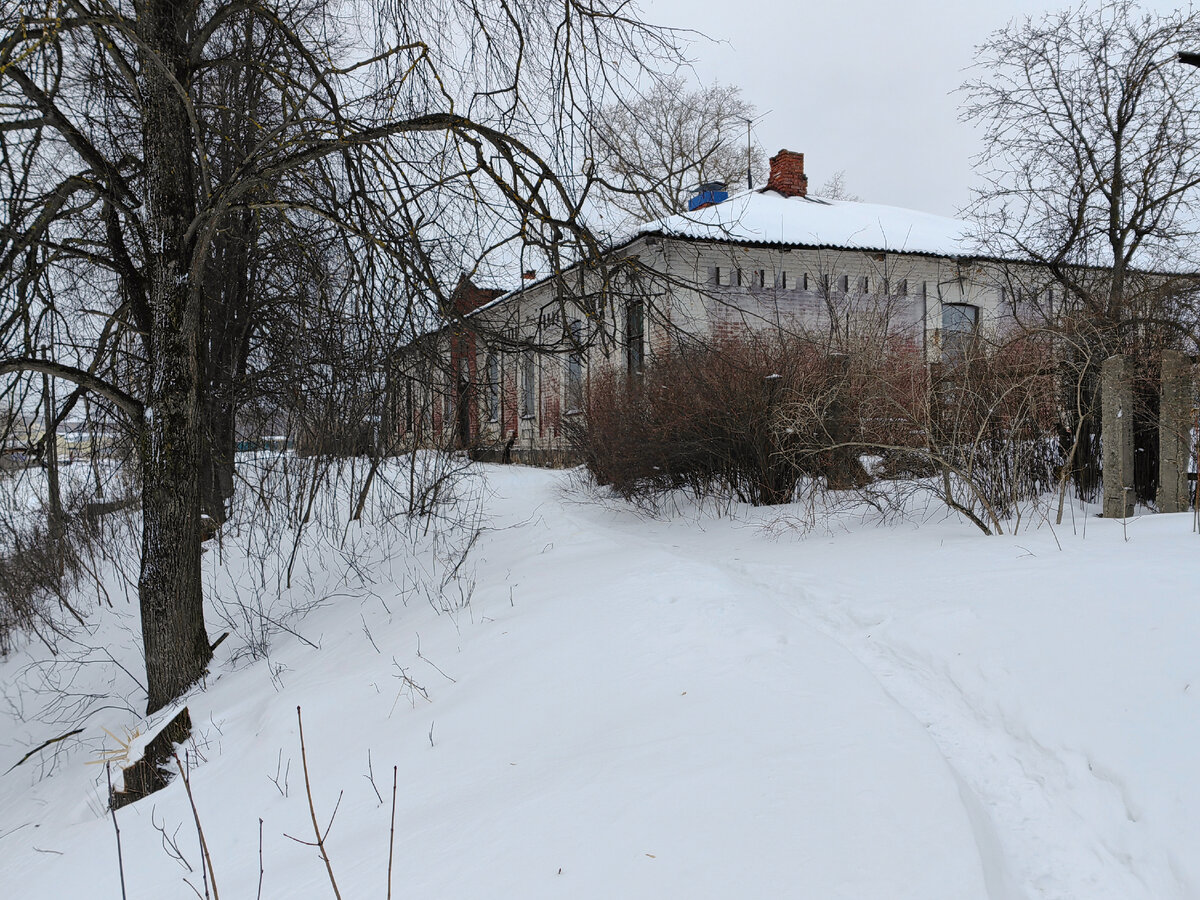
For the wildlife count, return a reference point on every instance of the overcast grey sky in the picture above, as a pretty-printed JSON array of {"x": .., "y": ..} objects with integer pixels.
[{"x": 861, "y": 85}]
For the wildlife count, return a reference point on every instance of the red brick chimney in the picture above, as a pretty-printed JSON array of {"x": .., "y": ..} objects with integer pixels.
[{"x": 787, "y": 174}]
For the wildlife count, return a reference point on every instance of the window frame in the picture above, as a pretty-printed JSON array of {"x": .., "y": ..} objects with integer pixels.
[
  {"x": 529, "y": 384},
  {"x": 573, "y": 382},
  {"x": 635, "y": 338},
  {"x": 955, "y": 342},
  {"x": 492, "y": 373}
]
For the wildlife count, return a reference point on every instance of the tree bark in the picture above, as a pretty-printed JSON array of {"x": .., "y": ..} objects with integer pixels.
[
  {"x": 1117, "y": 401},
  {"x": 175, "y": 642},
  {"x": 217, "y": 462},
  {"x": 224, "y": 348}
]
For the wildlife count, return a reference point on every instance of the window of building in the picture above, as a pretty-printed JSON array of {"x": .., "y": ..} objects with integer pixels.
[
  {"x": 902, "y": 288},
  {"x": 575, "y": 369},
  {"x": 715, "y": 275},
  {"x": 529, "y": 384},
  {"x": 448, "y": 407},
  {"x": 804, "y": 282},
  {"x": 844, "y": 284},
  {"x": 960, "y": 321},
  {"x": 426, "y": 394},
  {"x": 492, "y": 371},
  {"x": 635, "y": 337},
  {"x": 864, "y": 285}
]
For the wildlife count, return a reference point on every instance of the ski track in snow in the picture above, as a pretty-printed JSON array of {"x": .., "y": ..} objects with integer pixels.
[{"x": 1022, "y": 797}]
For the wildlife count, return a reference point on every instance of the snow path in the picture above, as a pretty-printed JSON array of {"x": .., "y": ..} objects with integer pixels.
[
  {"x": 812, "y": 601},
  {"x": 849, "y": 814},
  {"x": 1050, "y": 819}
]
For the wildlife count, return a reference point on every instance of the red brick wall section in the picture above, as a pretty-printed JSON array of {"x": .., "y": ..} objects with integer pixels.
[
  {"x": 467, "y": 297},
  {"x": 787, "y": 174}
]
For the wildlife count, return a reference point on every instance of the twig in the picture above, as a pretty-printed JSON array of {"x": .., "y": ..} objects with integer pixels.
[
  {"x": 313, "y": 810},
  {"x": 392, "y": 834},
  {"x": 432, "y": 663},
  {"x": 370, "y": 776},
  {"x": 113, "y": 811},
  {"x": 170, "y": 844},
  {"x": 367, "y": 632},
  {"x": 283, "y": 791},
  {"x": 258, "y": 896},
  {"x": 43, "y": 746},
  {"x": 207, "y": 869}
]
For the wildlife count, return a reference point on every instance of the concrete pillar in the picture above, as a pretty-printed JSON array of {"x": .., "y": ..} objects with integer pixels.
[
  {"x": 1116, "y": 410},
  {"x": 1174, "y": 432}
]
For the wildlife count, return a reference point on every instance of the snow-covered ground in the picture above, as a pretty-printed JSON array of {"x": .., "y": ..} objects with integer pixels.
[{"x": 685, "y": 706}]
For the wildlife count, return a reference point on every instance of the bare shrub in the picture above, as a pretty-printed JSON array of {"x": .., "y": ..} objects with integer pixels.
[
  {"x": 36, "y": 572},
  {"x": 759, "y": 418},
  {"x": 305, "y": 531},
  {"x": 744, "y": 416},
  {"x": 991, "y": 430},
  {"x": 48, "y": 549}
]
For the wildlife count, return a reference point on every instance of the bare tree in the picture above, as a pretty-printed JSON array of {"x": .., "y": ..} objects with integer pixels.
[
  {"x": 835, "y": 188},
  {"x": 654, "y": 151},
  {"x": 142, "y": 203},
  {"x": 1092, "y": 165}
]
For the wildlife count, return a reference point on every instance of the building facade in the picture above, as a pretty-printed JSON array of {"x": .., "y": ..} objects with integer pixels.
[{"x": 508, "y": 377}]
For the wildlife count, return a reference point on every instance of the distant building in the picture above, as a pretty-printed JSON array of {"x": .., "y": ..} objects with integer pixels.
[{"x": 513, "y": 369}]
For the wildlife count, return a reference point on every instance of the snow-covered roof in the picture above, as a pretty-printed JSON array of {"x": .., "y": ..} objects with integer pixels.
[
  {"x": 766, "y": 217},
  {"x": 769, "y": 218}
]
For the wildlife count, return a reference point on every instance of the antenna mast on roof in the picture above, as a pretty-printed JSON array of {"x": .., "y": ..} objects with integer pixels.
[{"x": 749, "y": 122}]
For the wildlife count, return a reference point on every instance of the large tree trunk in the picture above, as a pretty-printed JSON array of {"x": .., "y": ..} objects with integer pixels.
[
  {"x": 226, "y": 345},
  {"x": 172, "y": 605}
]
